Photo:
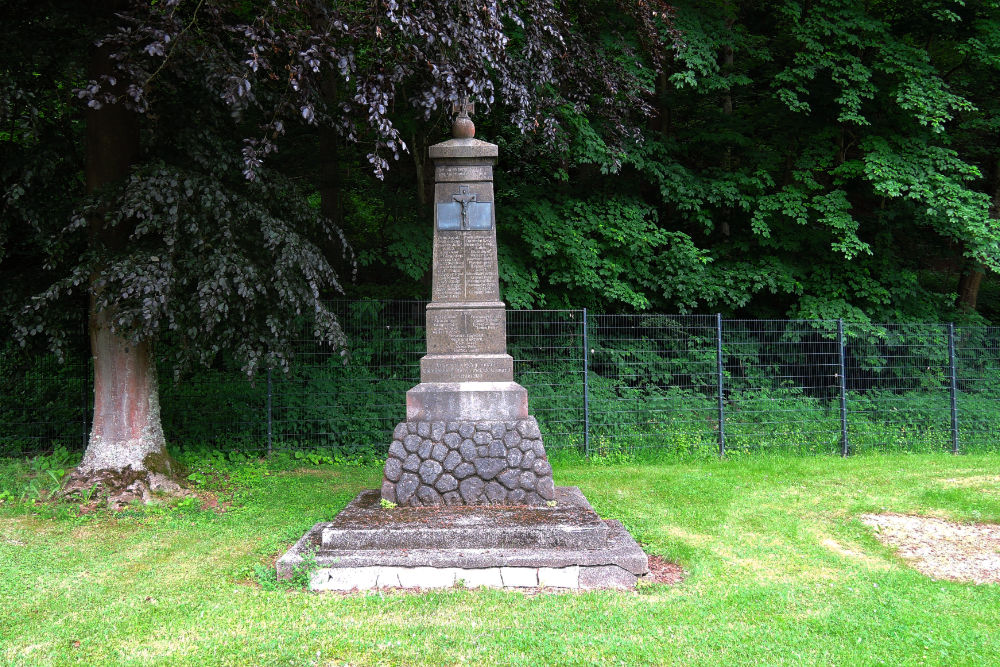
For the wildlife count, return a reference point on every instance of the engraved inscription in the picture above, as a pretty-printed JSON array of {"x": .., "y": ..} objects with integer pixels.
[
  {"x": 466, "y": 331},
  {"x": 466, "y": 369},
  {"x": 465, "y": 266},
  {"x": 481, "y": 267},
  {"x": 449, "y": 267},
  {"x": 460, "y": 174}
]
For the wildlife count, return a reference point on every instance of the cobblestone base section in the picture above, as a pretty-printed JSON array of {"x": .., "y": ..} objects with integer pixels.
[
  {"x": 467, "y": 463},
  {"x": 424, "y": 578}
]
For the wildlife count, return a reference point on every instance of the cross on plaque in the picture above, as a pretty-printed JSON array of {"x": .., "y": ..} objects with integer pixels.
[
  {"x": 463, "y": 107},
  {"x": 464, "y": 197}
]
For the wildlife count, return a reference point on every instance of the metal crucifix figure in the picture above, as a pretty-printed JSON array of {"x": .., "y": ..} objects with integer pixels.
[{"x": 465, "y": 198}]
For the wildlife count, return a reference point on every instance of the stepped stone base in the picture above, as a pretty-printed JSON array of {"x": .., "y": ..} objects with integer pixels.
[
  {"x": 486, "y": 462},
  {"x": 563, "y": 547}
]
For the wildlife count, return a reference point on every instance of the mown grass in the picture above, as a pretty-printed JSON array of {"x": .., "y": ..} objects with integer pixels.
[{"x": 780, "y": 571}]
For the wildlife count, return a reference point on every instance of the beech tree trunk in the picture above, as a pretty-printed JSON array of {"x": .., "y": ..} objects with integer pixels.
[
  {"x": 968, "y": 288},
  {"x": 973, "y": 272},
  {"x": 126, "y": 454},
  {"x": 127, "y": 432}
]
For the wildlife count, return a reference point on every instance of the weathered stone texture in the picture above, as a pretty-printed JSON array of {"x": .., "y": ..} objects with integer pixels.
[{"x": 472, "y": 463}]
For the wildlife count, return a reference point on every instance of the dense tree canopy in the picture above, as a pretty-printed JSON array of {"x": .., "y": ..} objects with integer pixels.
[
  {"x": 820, "y": 159},
  {"x": 142, "y": 170}
]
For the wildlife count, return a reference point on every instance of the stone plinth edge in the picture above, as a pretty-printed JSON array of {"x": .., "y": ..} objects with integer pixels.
[
  {"x": 484, "y": 462},
  {"x": 618, "y": 565},
  {"x": 463, "y": 148},
  {"x": 466, "y": 401}
]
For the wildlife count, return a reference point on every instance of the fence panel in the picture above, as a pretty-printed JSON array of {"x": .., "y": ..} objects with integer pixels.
[
  {"x": 652, "y": 383},
  {"x": 620, "y": 382},
  {"x": 44, "y": 402},
  {"x": 547, "y": 346},
  {"x": 899, "y": 387},
  {"x": 977, "y": 358},
  {"x": 782, "y": 388}
]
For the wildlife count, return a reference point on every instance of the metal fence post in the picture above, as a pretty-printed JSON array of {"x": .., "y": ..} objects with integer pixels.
[
  {"x": 954, "y": 388},
  {"x": 845, "y": 446},
  {"x": 586, "y": 388},
  {"x": 269, "y": 414},
  {"x": 722, "y": 402}
]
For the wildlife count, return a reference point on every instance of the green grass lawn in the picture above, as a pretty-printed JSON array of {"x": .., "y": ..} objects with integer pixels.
[{"x": 780, "y": 571}]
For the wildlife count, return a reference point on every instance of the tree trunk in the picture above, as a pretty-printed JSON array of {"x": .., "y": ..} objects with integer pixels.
[
  {"x": 973, "y": 272},
  {"x": 126, "y": 456},
  {"x": 968, "y": 288},
  {"x": 126, "y": 432}
]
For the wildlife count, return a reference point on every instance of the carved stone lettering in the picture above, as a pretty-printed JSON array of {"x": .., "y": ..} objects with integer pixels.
[
  {"x": 467, "y": 368},
  {"x": 463, "y": 173},
  {"x": 465, "y": 331},
  {"x": 449, "y": 267}
]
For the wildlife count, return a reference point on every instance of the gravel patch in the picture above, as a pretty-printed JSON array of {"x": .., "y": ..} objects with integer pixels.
[{"x": 942, "y": 549}]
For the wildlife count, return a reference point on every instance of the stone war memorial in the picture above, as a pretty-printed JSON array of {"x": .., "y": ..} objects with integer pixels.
[{"x": 467, "y": 493}]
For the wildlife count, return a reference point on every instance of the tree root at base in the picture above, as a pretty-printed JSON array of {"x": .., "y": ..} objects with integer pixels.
[{"x": 120, "y": 488}]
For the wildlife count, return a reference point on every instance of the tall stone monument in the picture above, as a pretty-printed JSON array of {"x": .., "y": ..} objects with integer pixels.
[
  {"x": 468, "y": 438},
  {"x": 468, "y": 441}
]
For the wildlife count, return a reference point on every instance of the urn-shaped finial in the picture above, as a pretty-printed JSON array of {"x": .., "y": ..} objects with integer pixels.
[{"x": 463, "y": 127}]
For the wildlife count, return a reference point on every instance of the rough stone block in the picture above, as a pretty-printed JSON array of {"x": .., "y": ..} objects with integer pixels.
[
  {"x": 400, "y": 431},
  {"x": 412, "y": 463},
  {"x": 463, "y": 470},
  {"x": 406, "y": 487},
  {"x": 496, "y": 493},
  {"x": 424, "y": 429},
  {"x": 488, "y": 468},
  {"x": 451, "y": 461},
  {"x": 481, "y": 438},
  {"x": 466, "y": 429},
  {"x": 429, "y": 496},
  {"x": 541, "y": 467},
  {"x": 439, "y": 451},
  {"x": 528, "y": 428},
  {"x": 497, "y": 449},
  {"x": 514, "y": 458},
  {"x": 468, "y": 450},
  {"x": 389, "y": 491},
  {"x": 393, "y": 469},
  {"x": 437, "y": 431},
  {"x": 446, "y": 483},
  {"x": 559, "y": 577},
  {"x": 424, "y": 451},
  {"x": 430, "y": 470},
  {"x": 396, "y": 449},
  {"x": 471, "y": 490},
  {"x": 519, "y": 577},
  {"x": 412, "y": 442}
]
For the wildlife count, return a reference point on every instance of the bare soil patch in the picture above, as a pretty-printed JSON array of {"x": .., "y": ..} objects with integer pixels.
[
  {"x": 942, "y": 549},
  {"x": 664, "y": 572}
]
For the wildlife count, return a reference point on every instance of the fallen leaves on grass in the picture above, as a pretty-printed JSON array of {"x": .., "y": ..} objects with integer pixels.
[{"x": 664, "y": 572}]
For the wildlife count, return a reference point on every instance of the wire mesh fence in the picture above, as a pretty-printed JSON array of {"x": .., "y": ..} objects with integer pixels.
[{"x": 600, "y": 384}]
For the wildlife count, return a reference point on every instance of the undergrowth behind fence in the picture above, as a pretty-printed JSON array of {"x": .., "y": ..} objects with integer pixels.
[{"x": 606, "y": 385}]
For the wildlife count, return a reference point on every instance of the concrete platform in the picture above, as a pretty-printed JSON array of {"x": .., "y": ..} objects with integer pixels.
[
  {"x": 516, "y": 551},
  {"x": 365, "y": 524}
]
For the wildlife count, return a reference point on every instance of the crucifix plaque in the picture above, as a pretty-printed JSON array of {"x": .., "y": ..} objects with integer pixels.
[{"x": 464, "y": 212}]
